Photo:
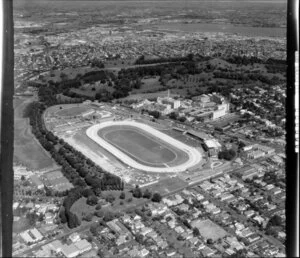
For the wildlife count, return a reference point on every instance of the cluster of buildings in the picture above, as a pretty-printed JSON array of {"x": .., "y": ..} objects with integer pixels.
[
  {"x": 108, "y": 42},
  {"x": 74, "y": 247},
  {"x": 265, "y": 106},
  {"x": 42, "y": 216},
  {"x": 206, "y": 107},
  {"x": 257, "y": 151}
]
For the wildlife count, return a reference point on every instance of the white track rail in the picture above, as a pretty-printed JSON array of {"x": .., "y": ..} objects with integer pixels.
[{"x": 194, "y": 155}]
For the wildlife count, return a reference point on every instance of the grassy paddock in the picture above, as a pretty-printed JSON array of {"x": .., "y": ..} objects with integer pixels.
[{"x": 27, "y": 150}]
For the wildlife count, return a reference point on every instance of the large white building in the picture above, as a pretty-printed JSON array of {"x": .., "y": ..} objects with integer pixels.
[
  {"x": 221, "y": 110},
  {"x": 31, "y": 236},
  {"x": 175, "y": 104}
]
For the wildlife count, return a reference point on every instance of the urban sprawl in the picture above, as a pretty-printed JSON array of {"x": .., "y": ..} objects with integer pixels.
[{"x": 109, "y": 110}]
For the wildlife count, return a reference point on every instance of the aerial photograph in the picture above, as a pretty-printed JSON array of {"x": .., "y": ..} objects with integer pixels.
[{"x": 149, "y": 128}]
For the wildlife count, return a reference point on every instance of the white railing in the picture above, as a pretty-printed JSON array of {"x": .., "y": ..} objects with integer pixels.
[{"x": 194, "y": 155}]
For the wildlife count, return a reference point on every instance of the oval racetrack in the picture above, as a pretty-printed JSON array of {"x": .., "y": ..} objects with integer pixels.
[{"x": 194, "y": 156}]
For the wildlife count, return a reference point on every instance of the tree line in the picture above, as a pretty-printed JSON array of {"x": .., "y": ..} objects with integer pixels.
[
  {"x": 78, "y": 169},
  {"x": 142, "y": 60}
]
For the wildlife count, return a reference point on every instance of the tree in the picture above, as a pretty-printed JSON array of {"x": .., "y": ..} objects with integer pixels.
[
  {"x": 94, "y": 229},
  {"x": 88, "y": 217},
  {"x": 196, "y": 232},
  {"x": 108, "y": 216},
  {"x": 147, "y": 194},
  {"x": 62, "y": 215},
  {"x": 209, "y": 241},
  {"x": 173, "y": 116},
  {"x": 31, "y": 217},
  {"x": 187, "y": 224},
  {"x": 137, "y": 192},
  {"x": 271, "y": 231},
  {"x": 100, "y": 253},
  {"x": 98, "y": 207},
  {"x": 180, "y": 238},
  {"x": 73, "y": 220},
  {"x": 182, "y": 119},
  {"x": 154, "y": 113},
  {"x": 156, "y": 197},
  {"x": 122, "y": 195},
  {"x": 275, "y": 220},
  {"x": 99, "y": 213},
  {"x": 110, "y": 198},
  {"x": 92, "y": 200},
  {"x": 139, "y": 238}
]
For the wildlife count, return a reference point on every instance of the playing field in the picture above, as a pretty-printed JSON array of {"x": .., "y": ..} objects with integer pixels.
[
  {"x": 209, "y": 229},
  {"x": 141, "y": 146},
  {"x": 73, "y": 111}
]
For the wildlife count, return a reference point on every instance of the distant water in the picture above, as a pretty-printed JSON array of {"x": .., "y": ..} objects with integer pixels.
[
  {"x": 225, "y": 28},
  {"x": 144, "y": 8},
  {"x": 81, "y": 5}
]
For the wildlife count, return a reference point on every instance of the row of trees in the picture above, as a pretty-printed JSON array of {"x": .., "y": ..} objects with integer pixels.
[
  {"x": 247, "y": 77},
  {"x": 65, "y": 214},
  {"x": 79, "y": 170},
  {"x": 142, "y": 60},
  {"x": 138, "y": 193},
  {"x": 251, "y": 60}
]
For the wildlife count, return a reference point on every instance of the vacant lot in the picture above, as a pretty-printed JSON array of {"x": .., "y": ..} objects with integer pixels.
[
  {"x": 209, "y": 229},
  {"x": 27, "y": 150}
]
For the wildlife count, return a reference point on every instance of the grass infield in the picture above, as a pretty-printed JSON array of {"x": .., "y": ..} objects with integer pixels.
[{"x": 142, "y": 147}]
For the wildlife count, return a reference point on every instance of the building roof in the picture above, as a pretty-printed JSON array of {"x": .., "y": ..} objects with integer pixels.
[
  {"x": 36, "y": 233},
  {"x": 212, "y": 143},
  {"x": 56, "y": 245},
  {"x": 83, "y": 244},
  {"x": 200, "y": 135},
  {"x": 70, "y": 250}
]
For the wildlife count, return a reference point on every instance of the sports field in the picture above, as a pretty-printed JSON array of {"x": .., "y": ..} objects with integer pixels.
[
  {"x": 73, "y": 111},
  {"x": 143, "y": 147},
  {"x": 209, "y": 229}
]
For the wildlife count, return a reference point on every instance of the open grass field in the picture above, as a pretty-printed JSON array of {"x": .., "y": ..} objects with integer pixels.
[
  {"x": 167, "y": 185},
  {"x": 149, "y": 85},
  {"x": 21, "y": 225},
  {"x": 142, "y": 96},
  {"x": 27, "y": 150},
  {"x": 70, "y": 73},
  {"x": 73, "y": 111},
  {"x": 186, "y": 156},
  {"x": 141, "y": 146},
  {"x": 119, "y": 205},
  {"x": 80, "y": 208},
  {"x": 209, "y": 229}
]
